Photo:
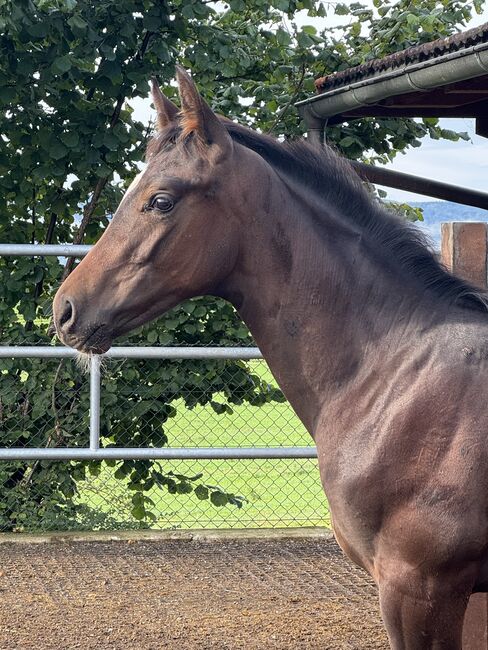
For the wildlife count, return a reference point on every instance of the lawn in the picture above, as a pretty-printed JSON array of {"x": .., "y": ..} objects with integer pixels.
[{"x": 277, "y": 492}]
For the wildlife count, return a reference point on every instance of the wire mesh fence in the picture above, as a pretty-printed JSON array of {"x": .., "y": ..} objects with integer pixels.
[
  {"x": 150, "y": 403},
  {"x": 191, "y": 494}
]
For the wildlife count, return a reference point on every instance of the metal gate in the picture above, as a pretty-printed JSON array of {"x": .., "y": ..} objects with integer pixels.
[{"x": 95, "y": 449}]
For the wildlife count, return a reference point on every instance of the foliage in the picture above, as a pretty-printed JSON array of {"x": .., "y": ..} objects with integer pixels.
[
  {"x": 275, "y": 61},
  {"x": 70, "y": 145}
]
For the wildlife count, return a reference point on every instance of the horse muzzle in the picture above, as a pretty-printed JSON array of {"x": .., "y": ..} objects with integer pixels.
[{"x": 89, "y": 335}]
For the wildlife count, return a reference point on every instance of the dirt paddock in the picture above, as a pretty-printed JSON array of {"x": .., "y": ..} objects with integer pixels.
[{"x": 226, "y": 594}]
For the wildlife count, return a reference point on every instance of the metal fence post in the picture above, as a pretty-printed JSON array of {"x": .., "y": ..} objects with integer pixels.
[
  {"x": 464, "y": 251},
  {"x": 94, "y": 402}
]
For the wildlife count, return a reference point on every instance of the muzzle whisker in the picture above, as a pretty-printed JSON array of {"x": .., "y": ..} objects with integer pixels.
[{"x": 83, "y": 361}]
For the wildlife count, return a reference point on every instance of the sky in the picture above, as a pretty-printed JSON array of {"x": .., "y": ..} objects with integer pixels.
[{"x": 462, "y": 163}]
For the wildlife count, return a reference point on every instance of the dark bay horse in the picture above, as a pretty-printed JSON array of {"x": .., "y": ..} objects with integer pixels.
[{"x": 381, "y": 352}]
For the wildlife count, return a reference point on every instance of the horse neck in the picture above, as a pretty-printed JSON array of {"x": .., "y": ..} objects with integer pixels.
[{"x": 315, "y": 299}]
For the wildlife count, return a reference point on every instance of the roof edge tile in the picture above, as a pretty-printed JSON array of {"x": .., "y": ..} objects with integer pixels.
[{"x": 415, "y": 54}]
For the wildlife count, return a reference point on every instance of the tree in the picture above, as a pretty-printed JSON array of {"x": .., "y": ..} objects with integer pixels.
[{"x": 70, "y": 145}]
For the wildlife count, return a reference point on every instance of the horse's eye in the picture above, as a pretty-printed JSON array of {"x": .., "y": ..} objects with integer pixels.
[{"x": 161, "y": 202}]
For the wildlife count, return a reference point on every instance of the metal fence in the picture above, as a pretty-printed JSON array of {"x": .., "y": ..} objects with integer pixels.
[{"x": 261, "y": 454}]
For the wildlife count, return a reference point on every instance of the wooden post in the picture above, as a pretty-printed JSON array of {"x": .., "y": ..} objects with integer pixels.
[
  {"x": 464, "y": 251},
  {"x": 475, "y": 630}
]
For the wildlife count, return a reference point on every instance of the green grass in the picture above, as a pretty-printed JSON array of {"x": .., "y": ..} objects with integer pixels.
[{"x": 277, "y": 492}]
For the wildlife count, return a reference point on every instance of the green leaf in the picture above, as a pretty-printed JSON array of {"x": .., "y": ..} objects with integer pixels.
[
  {"x": 57, "y": 149},
  {"x": 413, "y": 19},
  {"x": 138, "y": 512},
  {"x": 77, "y": 24},
  {"x": 38, "y": 30},
  {"x": 61, "y": 65},
  {"x": 201, "y": 492},
  {"x": 219, "y": 499},
  {"x": 304, "y": 40},
  {"x": 217, "y": 407},
  {"x": 282, "y": 5},
  {"x": 111, "y": 70},
  {"x": 341, "y": 9},
  {"x": 7, "y": 94},
  {"x": 283, "y": 37},
  {"x": 70, "y": 139},
  {"x": 184, "y": 488}
]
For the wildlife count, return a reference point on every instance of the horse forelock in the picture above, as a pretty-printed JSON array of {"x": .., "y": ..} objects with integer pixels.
[
  {"x": 182, "y": 133},
  {"x": 163, "y": 139}
]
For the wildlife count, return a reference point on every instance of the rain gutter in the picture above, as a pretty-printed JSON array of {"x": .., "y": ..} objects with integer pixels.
[{"x": 466, "y": 63}]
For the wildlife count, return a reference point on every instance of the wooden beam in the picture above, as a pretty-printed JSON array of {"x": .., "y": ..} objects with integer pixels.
[
  {"x": 436, "y": 98},
  {"x": 482, "y": 126},
  {"x": 468, "y": 85},
  {"x": 420, "y": 185},
  {"x": 466, "y": 91}
]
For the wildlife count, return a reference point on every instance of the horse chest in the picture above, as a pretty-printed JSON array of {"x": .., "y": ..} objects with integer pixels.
[{"x": 354, "y": 489}]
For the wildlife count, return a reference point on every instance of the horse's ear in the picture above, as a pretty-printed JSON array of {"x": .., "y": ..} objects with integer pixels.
[
  {"x": 197, "y": 117},
  {"x": 165, "y": 109}
]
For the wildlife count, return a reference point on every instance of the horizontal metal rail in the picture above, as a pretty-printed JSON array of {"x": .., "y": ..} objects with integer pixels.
[
  {"x": 62, "y": 250},
  {"x": 123, "y": 352},
  {"x": 156, "y": 453},
  {"x": 420, "y": 185}
]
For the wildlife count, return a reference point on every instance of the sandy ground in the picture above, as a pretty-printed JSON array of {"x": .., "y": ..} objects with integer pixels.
[{"x": 182, "y": 595}]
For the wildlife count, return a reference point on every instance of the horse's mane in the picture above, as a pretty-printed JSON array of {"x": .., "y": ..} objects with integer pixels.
[{"x": 334, "y": 180}]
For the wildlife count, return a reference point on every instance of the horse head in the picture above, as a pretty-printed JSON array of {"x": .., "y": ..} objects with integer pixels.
[{"x": 173, "y": 235}]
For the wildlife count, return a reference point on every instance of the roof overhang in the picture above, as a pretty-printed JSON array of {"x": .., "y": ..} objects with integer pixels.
[{"x": 452, "y": 85}]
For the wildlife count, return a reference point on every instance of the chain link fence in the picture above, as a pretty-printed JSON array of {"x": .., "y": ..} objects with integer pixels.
[
  {"x": 276, "y": 492},
  {"x": 273, "y": 492},
  {"x": 181, "y": 403}
]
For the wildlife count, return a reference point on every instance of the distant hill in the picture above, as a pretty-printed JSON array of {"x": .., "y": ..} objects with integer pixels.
[{"x": 435, "y": 212}]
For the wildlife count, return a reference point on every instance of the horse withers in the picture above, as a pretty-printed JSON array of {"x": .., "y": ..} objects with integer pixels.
[{"x": 381, "y": 352}]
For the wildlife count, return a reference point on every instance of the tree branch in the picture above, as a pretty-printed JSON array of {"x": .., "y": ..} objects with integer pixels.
[
  {"x": 91, "y": 206},
  {"x": 291, "y": 101},
  {"x": 88, "y": 211},
  {"x": 49, "y": 238},
  {"x": 145, "y": 43}
]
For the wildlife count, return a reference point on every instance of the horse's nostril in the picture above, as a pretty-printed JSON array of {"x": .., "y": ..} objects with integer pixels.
[{"x": 67, "y": 313}]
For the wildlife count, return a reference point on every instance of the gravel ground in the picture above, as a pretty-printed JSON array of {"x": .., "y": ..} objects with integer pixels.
[{"x": 181, "y": 595}]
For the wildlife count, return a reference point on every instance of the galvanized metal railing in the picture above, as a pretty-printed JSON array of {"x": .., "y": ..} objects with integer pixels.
[{"x": 94, "y": 451}]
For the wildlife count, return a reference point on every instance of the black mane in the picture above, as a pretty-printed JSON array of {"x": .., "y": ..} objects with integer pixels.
[{"x": 332, "y": 178}]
